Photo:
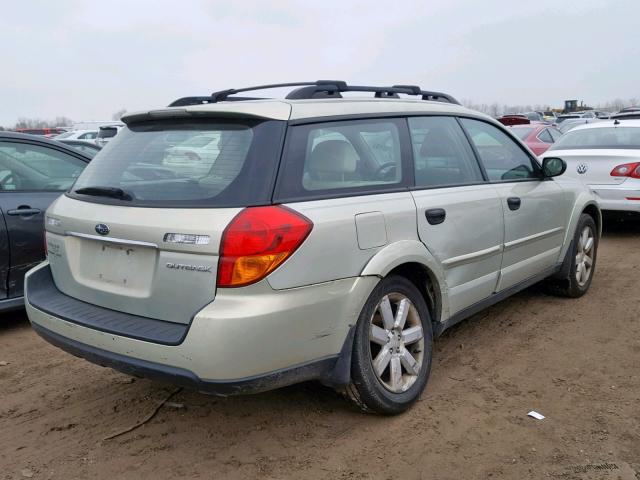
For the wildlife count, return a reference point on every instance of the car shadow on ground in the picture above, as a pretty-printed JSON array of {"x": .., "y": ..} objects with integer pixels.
[{"x": 14, "y": 320}]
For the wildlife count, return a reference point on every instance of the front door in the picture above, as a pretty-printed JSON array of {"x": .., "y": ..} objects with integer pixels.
[{"x": 535, "y": 210}]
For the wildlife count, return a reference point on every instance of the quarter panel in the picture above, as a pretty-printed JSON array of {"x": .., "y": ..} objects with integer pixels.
[{"x": 331, "y": 251}]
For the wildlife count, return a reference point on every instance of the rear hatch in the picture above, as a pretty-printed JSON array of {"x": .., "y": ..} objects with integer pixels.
[{"x": 141, "y": 233}]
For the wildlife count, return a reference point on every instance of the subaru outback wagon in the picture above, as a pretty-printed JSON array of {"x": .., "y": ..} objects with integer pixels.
[{"x": 328, "y": 238}]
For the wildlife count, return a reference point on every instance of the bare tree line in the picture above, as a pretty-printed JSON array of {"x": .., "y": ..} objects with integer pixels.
[
  {"x": 494, "y": 109},
  {"x": 60, "y": 121}
]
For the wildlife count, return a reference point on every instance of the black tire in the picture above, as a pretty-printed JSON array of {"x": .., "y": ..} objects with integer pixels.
[
  {"x": 366, "y": 389},
  {"x": 568, "y": 285}
]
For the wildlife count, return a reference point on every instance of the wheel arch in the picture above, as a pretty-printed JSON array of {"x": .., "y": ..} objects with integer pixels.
[{"x": 412, "y": 260}]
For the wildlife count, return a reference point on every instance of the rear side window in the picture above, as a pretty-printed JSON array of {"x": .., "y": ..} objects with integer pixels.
[
  {"x": 205, "y": 163},
  {"x": 545, "y": 136},
  {"x": 441, "y": 153},
  {"x": 555, "y": 134},
  {"x": 342, "y": 157},
  {"x": 502, "y": 157}
]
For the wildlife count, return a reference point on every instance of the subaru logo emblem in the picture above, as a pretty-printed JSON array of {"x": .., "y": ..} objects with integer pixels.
[
  {"x": 102, "y": 229},
  {"x": 582, "y": 168}
]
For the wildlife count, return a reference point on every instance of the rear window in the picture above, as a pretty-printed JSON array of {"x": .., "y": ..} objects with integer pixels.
[
  {"x": 607, "y": 137},
  {"x": 107, "y": 132},
  {"x": 205, "y": 163},
  {"x": 522, "y": 133}
]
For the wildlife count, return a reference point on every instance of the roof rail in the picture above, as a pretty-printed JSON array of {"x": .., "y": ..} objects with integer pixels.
[{"x": 318, "y": 89}]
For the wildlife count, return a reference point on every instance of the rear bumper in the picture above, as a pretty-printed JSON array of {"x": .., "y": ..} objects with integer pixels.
[
  {"x": 249, "y": 339},
  {"x": 319, "y": 369},
  {"x": 616, "y": 197}
]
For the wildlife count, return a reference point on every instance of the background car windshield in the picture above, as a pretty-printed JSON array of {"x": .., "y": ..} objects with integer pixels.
[
  {"x": 171, "y": 163},
  {"x": 606, "y": 137},
  {"x": 522, "y": 133}
]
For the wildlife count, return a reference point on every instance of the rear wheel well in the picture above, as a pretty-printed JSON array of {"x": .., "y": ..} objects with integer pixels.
[
  {"x": 593, "y": 212},
  {"x": 426, "y": 283}
]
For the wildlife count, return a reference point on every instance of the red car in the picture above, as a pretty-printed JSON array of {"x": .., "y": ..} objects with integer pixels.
[{"x": 538, "y": 136}]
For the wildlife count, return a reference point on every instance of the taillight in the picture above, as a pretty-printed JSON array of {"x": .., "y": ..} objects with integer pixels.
[
  {"x": 627, "y": 170},
  {"x": 257, "y": 241}
]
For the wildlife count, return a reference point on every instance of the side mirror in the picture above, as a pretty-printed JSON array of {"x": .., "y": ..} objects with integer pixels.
[{"x": 553, "y": 167}]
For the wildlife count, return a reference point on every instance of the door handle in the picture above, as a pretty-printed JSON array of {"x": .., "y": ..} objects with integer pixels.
[
  {"x": 435, "y": 216},
  {"x": 514, "y": 203},
  {"x": 24, "y": 210}
]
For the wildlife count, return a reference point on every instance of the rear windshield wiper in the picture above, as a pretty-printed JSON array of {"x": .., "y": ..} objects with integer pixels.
[{"x": 113, "y": 192}]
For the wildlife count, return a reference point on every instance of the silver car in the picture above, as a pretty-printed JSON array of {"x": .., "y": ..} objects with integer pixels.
[{"x": 331, "y": 239}]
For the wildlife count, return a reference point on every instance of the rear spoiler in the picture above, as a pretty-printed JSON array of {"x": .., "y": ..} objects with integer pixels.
[{"x": 510, "y": 120}]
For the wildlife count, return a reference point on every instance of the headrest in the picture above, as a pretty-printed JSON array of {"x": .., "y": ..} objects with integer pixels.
[
  {"x": 437, "y": 143},
  {"x": 333, "y": 156}
]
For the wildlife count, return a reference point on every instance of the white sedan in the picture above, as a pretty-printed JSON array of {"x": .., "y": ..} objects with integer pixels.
[{"x": 606, "y": 157}]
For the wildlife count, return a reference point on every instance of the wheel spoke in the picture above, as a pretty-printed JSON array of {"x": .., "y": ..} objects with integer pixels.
[
  {"x": 588, "y": 245},
  {"x": 378, "y": 335},
  {"x": 401, "y": 314},
  {"x": 381, "y": 361},
  {"x": 583, "y": 274},
  {"x": 386, "y": 312},
  {"x": 409, "y": 363},
  {"x": 396, "y": 374},
  {"x": 412, "y": 335},
  {"x": 588, "y": 260},
  {"x": 583, "y": 238}
]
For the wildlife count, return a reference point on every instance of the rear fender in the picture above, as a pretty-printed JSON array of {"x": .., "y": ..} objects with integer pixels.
[{"x": 410, "y": 251}]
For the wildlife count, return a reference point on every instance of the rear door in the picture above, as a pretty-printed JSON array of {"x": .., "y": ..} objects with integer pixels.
[
  {"x": 459, "y": 214},
  {"x": 32, "y": 175},
  {"x": 535, "y": 210}
]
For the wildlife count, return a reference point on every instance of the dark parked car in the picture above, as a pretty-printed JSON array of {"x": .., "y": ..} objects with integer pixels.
[
  {"x": 87, "y": 147},
  {"x": 34, "y": 171}
]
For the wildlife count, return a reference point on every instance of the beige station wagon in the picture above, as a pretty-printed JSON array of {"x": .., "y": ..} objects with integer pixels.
[{"x": 324, "y": 237}]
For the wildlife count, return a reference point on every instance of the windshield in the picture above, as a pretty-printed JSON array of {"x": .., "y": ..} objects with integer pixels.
[
  {"x": 607, "y": 137},
  {"x": 164, "y": 163},
  {"x": 522, "y": 132}
]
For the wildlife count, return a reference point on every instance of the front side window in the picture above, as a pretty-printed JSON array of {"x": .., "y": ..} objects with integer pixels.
[
  {"x": 441, "y": 153},
  {"x": 502, "y": 157},
  {"x": 342, "y": 157},
  {"x": 25, "y": 166}
]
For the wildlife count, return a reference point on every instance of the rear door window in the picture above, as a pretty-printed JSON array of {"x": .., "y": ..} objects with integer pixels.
[
  {"x": 343, "y": 158},
  {"x": 442, "y": 155},
  {"x": 503, "y": 159}
]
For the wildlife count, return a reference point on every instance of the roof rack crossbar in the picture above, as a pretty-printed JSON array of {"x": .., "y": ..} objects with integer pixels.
[{"x": 319, "y": 89}]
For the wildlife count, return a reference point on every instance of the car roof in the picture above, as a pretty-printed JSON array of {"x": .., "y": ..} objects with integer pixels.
[
  {"x": 308, "y": 108},
  {"x": 608, "y": 123},
  {"x": 4, "y": 135}
]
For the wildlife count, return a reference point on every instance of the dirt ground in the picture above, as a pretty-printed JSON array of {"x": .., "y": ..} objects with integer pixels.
[{"x": 575, "y": 361}]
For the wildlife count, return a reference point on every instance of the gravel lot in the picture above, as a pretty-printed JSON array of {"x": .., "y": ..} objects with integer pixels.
[{"x": 575, "y": 361}]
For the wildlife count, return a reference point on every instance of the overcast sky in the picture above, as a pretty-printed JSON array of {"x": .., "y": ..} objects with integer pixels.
[{"x": 86, "y": 59}]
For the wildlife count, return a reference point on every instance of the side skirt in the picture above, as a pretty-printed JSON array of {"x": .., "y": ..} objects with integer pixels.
[{"x": 439, "y": 327}]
